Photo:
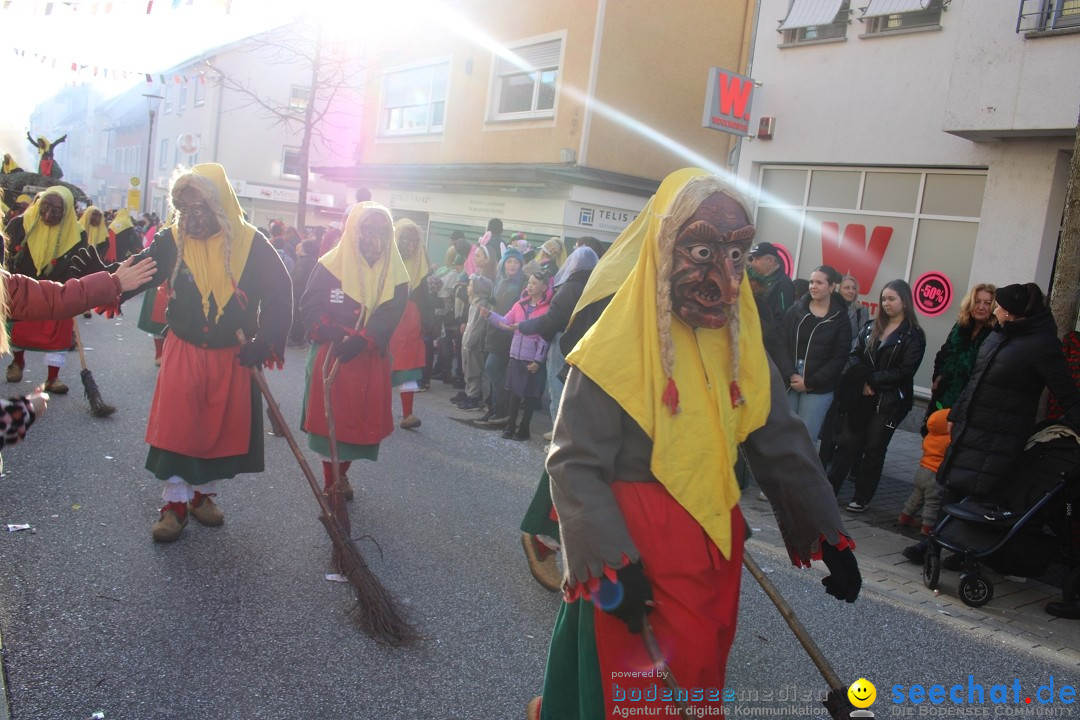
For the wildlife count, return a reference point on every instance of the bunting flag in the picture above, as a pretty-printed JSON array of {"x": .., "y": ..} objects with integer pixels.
[
  {"x": 114, "y": 73},
  {"x": 143, "y": 7}
]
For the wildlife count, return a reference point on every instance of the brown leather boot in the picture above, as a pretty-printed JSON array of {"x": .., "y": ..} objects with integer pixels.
[
  {"x": 205, "y": 511},
  {"x": 171, "y": 523}
]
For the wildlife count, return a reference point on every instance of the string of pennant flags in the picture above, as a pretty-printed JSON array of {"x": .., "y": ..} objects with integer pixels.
[
  {"x": 45, "y": 7},
  {"x": 85, "y": 69}
]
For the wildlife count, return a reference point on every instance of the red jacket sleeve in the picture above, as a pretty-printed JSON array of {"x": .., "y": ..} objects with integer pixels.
[{"x": 30, "y": 299}]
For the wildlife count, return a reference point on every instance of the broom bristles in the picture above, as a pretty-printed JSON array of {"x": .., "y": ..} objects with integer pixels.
[
  {"x": 377, "y": 612},
  {"x": 98, "y": 407}
]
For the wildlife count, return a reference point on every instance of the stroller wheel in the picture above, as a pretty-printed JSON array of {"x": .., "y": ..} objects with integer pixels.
[
  {"x": 975, "y": 589},
  {"x": 1070, "y": 589},
  {"x": 931, "y": 570}
]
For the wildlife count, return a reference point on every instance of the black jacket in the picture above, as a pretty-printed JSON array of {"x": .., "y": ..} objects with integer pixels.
[
  {"x": 828, "y": 349},
  {"x": 507, "y": 292},
  {"x": 995, "y": 414},
  {"x": 892, "y": 365},
  {"x": 555, "y": 320}
]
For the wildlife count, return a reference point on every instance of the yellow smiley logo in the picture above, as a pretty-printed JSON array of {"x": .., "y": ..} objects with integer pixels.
[{"x": 862, "y": 693}]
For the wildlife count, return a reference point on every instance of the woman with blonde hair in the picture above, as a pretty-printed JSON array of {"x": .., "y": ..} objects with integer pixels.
[{"x": 955, "y": 361}]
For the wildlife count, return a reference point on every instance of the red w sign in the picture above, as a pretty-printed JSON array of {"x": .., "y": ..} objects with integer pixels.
[
  {"x": 851, "y": 255},
  {"x": 727, "y": 104}
]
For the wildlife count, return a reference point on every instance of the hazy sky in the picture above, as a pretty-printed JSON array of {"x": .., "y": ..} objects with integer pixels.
[{"x": 126, "y": 38}]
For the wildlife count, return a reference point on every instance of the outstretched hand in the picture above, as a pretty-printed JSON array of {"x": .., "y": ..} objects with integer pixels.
[
  {"x": 86, "y": 262},
  {"x": 844, "y": 579},
  {"x": 134, "y": 275}
]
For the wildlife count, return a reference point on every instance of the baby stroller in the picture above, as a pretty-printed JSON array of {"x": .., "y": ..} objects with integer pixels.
[{"x": 1022, "y": 528}]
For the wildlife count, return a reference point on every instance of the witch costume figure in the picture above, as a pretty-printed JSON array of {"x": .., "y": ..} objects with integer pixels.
[{"x": 661, "y": 392}]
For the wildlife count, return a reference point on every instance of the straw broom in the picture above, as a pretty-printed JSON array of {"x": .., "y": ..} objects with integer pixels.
[
  {"x": 378, "y": 612},
  {"x": 98, "y": 407}
]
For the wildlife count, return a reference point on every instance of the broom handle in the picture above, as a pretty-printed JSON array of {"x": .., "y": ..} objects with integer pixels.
[
  {"x": 797, "y": 627},
  {"x": 661, "y": 665},
  {"x": 78, "y": 344},
  {"x": 275, "y": 411},
  {"x": 331, "y": 428}
]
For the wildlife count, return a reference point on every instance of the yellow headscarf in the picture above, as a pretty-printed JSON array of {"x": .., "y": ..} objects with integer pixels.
[
  {"x": 45, "y": 243},
  {"x": 206, "y": 258},
  {"x": 94, "y": 235},
  {"x": 121, "y": 222},
  {"x": 368, "y": 285},
  {"x": 9, "y": 163},
  {"x": 694, "y": 451},
  {"x": 417, "y": 265}
]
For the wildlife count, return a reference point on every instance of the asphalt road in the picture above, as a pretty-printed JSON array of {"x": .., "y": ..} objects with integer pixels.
[{"x": 239, "y": 621}]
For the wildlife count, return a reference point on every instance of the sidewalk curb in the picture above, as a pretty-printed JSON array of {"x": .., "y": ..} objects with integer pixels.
[{"x": 1025, "y": 627}]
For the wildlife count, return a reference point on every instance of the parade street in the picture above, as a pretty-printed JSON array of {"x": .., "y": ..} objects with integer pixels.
[{"x": 240, "y": 621}]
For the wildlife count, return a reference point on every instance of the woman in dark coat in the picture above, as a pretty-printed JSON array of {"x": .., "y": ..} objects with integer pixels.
[
  {"x": 815, "y": 346},
  {"x": 889, "y": 351},
  {"x": 509, "y": 282},
  {"x": 995, "y": 414}
]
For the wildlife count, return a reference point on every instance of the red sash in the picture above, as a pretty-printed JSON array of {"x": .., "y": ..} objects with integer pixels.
[{"x": 46, "y": 335}]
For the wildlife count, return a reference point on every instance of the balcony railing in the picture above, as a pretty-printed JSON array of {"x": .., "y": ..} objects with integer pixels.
[{"x": 1038, "y": 15}]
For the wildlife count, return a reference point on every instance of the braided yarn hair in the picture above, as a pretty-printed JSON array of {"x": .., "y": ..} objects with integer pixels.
[{"x": 186, "y": 178}]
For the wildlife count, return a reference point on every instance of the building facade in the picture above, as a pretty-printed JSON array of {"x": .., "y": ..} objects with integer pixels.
[
  {"x": 915, "y": 139},
  {"x": 558, "y": 118}
]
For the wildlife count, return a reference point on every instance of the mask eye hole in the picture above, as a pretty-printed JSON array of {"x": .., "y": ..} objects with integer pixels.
[
  {"x": 735, "y": 254},
  {"x": 701, "y": 253}
]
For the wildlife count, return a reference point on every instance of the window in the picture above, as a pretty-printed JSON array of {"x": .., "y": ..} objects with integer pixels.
[
  {"x": 163, "y": 155},
  {"x": 810, "y": 20},
  {"x": 298, "y": 99},
  {"x": 525, "y": 85},
  {"x": 181, "y": 103},
  {"x": 192, "y": 159},
  {"x": 290, "y": 163},
  {"x": 414, "y": 100},
  {"x": 884, "y": 16},
  {"x": 166, "y": 103},
  {"x": 1038, "y": 15},
  {"x": 117, "y": 160},
  {"x": 200, "y": 91}
]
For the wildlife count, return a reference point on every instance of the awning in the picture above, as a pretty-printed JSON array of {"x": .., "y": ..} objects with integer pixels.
[
  {"x": 806, "y": 13},
  {"x": 877, "y": 8}
]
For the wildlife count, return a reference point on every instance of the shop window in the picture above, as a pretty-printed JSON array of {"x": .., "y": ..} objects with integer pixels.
[
  {"x": 525, "y": 84},
  {"x": 290, "y": 163},
  {"x": 885, "y": 16},
  {"x": 414, "y": 100},
  {"x": 1036, "y": 15},
  {"x": 811, "y": 20}
]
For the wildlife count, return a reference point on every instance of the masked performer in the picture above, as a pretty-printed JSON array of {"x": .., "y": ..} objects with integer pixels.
[
  {"x": 407, "y": 344},
  {"x": 124, "y": 240},
  {"x": 47, "y": 166},
  {"x": 661, "y": 391},
  {"x": 42, "y": 241},
  {"x": 97, "y": 235},
  {"x": 206, "y": 415},
  {"x": 353, "y": 301}
]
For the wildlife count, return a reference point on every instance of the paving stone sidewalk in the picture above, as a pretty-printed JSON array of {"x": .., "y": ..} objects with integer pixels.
[{"x": 1014, "y": 616}]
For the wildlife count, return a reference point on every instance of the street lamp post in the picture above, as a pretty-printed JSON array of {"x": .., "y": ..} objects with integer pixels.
[{"x": 151, "y": 105}]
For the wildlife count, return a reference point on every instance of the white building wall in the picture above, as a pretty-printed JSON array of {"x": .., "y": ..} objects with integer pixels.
[{"x": 892, "y": 100}]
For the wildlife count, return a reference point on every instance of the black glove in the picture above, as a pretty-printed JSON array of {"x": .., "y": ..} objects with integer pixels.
[
  {"x": 628, "y": 598},
  {"x": 844, "y": 580},
  {"x": 253, "y": 354},
  {"x": 350, "y": 347},
  {"x": 86, "y": 262},
  {"x": 328, "y": 334}
]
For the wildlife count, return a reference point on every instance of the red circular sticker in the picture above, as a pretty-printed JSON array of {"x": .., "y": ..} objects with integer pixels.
[
  {"x": 786, "y": 260},
  {"x": 933, "y": 293}
]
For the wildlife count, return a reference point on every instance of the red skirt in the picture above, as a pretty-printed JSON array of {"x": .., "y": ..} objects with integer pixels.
[
  {"x": 407, "y": 342},
  {"x": 46, "y": 335},
  {"x": 202, "y": 402},
  {"x": 362, "y": 401},
  {"x": 697, "y": 601}
]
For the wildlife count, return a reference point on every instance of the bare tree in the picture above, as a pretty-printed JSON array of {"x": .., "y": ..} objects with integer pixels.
[
  {"x": 1065, "y": 298},
  {"x": 335, "y": 77}
]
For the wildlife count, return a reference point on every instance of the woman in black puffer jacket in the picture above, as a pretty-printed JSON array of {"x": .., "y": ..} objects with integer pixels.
[
  {"x": 995, "y": 413},
  {"x": 889, "y": 349},
  {"x": 815, "y": 345}
]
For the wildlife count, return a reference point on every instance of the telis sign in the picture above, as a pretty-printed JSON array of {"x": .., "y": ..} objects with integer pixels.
[{"x": 727, "y": 102}]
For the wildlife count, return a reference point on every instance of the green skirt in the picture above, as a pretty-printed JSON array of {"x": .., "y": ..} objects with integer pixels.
[
  {"x": 537, "y": 520},
  {"x": 573, "y": 689}
]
